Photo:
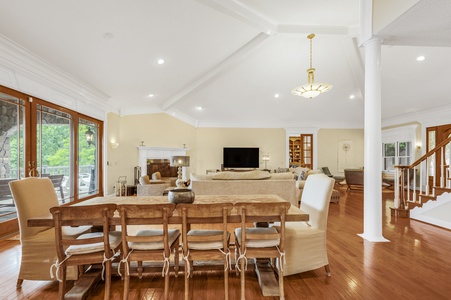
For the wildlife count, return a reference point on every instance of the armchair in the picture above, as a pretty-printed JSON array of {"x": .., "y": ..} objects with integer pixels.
[{"x": 337, "y": 178}]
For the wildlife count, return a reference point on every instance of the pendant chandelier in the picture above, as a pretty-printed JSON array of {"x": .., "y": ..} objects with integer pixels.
[{"x": 312, "y": 88}]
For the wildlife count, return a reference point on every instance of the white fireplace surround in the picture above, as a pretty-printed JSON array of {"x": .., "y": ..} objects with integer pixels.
[{"x": 146, "y": 153}]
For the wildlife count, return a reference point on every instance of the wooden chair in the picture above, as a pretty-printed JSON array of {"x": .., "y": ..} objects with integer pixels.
[
  {"x": 305, "y": 242},
  {"x": 148, "y": 244},
  {"x": 88, "y": 249},
  {"x": 34, "y": 197},
  {"x": 260, "y": 242},
  {"x": 57, "y": 181},
  {"x": 205, "y": 244}
]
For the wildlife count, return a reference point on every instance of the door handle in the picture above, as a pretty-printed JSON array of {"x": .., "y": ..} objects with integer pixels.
[{"x": 33, "y": 171}]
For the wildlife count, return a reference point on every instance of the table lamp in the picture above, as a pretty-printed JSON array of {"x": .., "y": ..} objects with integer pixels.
[
  {"x": 179, "y": 161},
  {"x": 265, "y": 158}
]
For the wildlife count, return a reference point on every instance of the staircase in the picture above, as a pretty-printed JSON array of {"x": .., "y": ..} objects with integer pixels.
[{"x": 423, "y": 181}]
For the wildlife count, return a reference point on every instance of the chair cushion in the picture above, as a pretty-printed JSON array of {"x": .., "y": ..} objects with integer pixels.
[
  {"x": 258, "y": 243},
  {"x": 206, "y": 245},
  {"x": 114, "y": 237},
  {"x": 172, "y": 236}
]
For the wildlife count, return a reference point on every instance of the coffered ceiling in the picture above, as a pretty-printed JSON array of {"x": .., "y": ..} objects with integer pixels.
[{"x": 226, "y": 60}]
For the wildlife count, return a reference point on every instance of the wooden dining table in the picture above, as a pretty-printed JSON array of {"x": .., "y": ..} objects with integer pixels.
[{"x": 267, "y": 279}]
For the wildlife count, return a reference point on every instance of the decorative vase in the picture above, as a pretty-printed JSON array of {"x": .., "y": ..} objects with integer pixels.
[{"x": 181, "y": 196}]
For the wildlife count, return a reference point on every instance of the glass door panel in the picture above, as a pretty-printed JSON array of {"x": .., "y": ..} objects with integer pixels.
[
  {"x": 307, "y": 150},
  {"x": 12, "y": 151},
  {"x": 53, "y": 152},
  {"x": 88, "y": 160}
]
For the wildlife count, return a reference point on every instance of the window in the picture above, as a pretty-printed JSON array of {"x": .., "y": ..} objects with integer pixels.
[
  {"x": 41, "y": 139},
  {"x": 397, "y": 153}
]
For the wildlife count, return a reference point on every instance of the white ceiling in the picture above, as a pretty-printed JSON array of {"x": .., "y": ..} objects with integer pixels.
[{"x": 231, "y": 57}]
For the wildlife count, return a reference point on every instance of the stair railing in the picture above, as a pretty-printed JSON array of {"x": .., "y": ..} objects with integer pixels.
[{"x": 406, "y": 190}]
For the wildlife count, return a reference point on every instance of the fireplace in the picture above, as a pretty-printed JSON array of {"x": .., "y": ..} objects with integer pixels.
[
  {"x": 151, "y": 159},
  {"x": 162, "y": 166}
]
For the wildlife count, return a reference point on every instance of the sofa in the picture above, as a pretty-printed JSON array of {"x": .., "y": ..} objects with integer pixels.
[
  {"x": 246, "y": 183},
  {"x": 354, "y": 178},
  {"x": 155, "y": 186},
  {"x": 301, "y": 175}
]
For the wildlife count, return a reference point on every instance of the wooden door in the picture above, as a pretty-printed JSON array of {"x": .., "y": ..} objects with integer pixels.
[
  {"x": 434, "y": 136},
  {"x": 301, "y": 150}
]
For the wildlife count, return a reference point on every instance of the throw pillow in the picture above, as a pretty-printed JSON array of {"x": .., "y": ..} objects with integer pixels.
[
  {"x": 298, "y": 170},
  {"x": 282, "y": 170},
  {"x": 156, "y": 176},
  {"x": 303, "y": 175},
  {"x": 144, "y": 180}
]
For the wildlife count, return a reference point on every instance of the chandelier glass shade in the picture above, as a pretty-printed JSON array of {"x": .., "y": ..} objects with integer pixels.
[{"x": 312, "y": 88}]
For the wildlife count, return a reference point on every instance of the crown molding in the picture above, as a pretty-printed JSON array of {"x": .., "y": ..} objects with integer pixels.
[{"x": 30, "y": 74}]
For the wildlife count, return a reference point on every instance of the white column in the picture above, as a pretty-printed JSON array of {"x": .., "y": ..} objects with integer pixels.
[{"x": 372, "y": 211}]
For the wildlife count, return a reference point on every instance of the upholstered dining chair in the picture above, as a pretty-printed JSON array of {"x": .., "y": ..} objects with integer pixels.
[
  {"x": 154, "y": 244},
  {"x": 305, "y": 242},
  {"x": 260, "y": 242},
  {"x": 34, "y": 197},
  {"x": 88, "y": 249},
  {"x": 204, "y": 244}
]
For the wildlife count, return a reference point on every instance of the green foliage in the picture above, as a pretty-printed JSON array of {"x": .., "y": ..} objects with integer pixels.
[{"x": 56, "y": 146}]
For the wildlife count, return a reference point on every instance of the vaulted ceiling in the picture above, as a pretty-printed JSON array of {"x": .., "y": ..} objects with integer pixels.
[{"x": 231, "y": 58}]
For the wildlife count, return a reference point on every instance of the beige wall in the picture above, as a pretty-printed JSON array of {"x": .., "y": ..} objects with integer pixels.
[
  {"x": 329, "y": 142},
  {"x": 205, "y": 144},
  {"x": 153, "y": 130},
  {"x": 210, "y": 143}
]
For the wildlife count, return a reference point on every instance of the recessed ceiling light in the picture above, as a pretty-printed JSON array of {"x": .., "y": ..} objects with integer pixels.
[
  {"x": 160, "y": 61},
  {"x": 199, "y": 108},
  {"x": 351, "y": 97},
  {"x": 150, "y": 95},
  {"x": 421, "y": 58},
  {"x": 276, "y": 95}
]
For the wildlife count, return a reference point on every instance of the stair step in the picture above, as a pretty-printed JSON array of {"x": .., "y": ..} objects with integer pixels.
[
  {"x": 441, "y": 190},
  {"x": 412, "y": 205},
  {"x": 425, "y": 198}
]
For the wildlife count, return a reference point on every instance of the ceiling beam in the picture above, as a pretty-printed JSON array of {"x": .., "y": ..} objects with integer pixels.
[
  {"x": 241, "y": 12},
  {"x": 204, "y": 77}
]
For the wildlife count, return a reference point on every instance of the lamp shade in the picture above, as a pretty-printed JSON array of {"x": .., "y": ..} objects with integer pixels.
[
  {"x": 311, "y": 90},
  {"x": 179, "y": 161}
]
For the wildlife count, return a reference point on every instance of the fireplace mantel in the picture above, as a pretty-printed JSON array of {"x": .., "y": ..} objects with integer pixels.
[{"x": 146, "y": 153}]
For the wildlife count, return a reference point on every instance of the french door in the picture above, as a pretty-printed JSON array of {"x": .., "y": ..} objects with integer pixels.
[{"x": 40, "y": 139}]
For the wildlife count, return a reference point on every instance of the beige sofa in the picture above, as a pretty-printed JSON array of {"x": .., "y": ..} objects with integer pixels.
[
  {"x": 246, "y": 183},
  {"x": 155, "y": 186}
]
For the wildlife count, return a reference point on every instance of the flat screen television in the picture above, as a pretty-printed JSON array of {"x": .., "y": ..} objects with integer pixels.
[{"x": 241, "y": 157}]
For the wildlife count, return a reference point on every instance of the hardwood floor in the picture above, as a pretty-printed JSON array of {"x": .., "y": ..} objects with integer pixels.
[{"x": 415, "y": 264}]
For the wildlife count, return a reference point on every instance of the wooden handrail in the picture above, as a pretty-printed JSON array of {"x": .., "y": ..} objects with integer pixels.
[
  {"x": 402, "y": 197},
  {"x": 429, "y": 153}
]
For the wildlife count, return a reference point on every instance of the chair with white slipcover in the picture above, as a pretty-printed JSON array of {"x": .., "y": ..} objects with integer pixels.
[
  {"x": 34, "y": 197},
  {"x": 305, "y": 242}
]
